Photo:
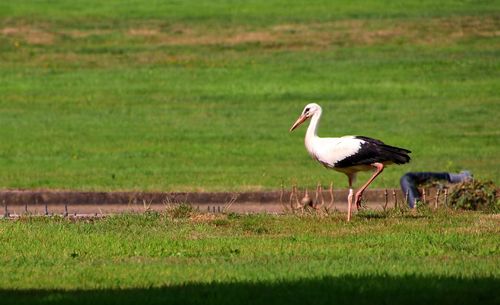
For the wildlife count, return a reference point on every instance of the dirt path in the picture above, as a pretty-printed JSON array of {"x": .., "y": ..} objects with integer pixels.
[{"x": 42, "y": 202}]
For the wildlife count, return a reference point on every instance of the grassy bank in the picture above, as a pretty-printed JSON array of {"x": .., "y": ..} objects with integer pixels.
[{"x": 183, "y": 97}]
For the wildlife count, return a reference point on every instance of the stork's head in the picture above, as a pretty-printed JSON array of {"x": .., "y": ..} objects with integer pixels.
[{"x": 309, "y": 111}]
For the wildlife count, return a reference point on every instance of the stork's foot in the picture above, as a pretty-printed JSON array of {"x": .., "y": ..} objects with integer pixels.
[{"x": 357, "y": 199}]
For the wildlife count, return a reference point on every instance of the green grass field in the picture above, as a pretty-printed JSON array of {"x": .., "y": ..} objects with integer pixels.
[
  {"x": 423, "y": 257},
  {"x": 192, "y": 95},
  {"x": 199, "y": 95}
]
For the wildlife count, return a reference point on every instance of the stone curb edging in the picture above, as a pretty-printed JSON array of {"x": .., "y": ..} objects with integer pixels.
[{"x": 22, "y": 197}]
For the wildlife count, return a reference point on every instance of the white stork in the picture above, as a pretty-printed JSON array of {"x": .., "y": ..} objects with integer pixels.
[{"x": 348, "y": 154}]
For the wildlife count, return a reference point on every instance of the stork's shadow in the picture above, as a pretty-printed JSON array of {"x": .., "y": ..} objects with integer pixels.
[{"x": 328, "y": 290}]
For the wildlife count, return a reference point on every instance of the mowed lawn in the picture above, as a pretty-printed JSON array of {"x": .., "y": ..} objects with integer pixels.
[
  {"x": 181, "y": 257},
  {"x": 191, "y": 95},
  {"x": 199, "y": 95}
]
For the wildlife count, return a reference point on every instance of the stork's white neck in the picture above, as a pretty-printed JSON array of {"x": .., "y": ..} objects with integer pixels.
[
  {"x": 312, "y": 130},
  {"x": 311, "y": 134}
]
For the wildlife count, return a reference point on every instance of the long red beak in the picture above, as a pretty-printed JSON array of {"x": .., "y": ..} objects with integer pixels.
[{"x": 299, "y": 121}]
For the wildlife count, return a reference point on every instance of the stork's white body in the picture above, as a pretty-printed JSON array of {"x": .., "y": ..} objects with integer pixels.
[
  {"x": 329, "y": 151},
  {"x": 348, "y": 154}
]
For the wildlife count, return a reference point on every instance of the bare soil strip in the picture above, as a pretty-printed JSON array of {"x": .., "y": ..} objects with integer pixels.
[
  {"x": 435, "y": 31},
  {"x": 46, "y": 202}
]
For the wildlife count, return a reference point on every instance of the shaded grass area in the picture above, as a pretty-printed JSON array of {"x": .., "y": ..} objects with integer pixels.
[
  {"x": 190, "y": 102},
  {"x": 339, "y": 290}
]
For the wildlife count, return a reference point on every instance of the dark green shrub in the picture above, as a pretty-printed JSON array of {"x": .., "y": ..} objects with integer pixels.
[{"x": 475, "y": 195}]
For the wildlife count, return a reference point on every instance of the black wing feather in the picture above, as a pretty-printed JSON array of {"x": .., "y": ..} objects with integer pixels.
[{"x": 373, "y": 150}]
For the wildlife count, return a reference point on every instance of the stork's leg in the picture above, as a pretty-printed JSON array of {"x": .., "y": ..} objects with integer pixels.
[
  {"x": 379, "y": 168},
  {"x": 349, "y": 197}
]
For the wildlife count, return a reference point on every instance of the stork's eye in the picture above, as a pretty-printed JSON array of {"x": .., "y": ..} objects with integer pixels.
[{"x": 306, "y": 110}]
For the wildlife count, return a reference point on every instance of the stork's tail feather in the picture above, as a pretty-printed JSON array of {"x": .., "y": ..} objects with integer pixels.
[{"x": 396, "y": 154}]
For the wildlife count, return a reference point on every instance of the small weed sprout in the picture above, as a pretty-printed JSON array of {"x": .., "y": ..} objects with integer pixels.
[
  {"x": 146, "y": 205},
  {"x": 230, "y": 203},
  {"x": 180, "y": 211}
]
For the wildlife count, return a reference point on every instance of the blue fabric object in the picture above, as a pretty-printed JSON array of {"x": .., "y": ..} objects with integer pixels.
[
  {"x": 410, "y": 181},
  {"x": 460, "y": 177}
]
